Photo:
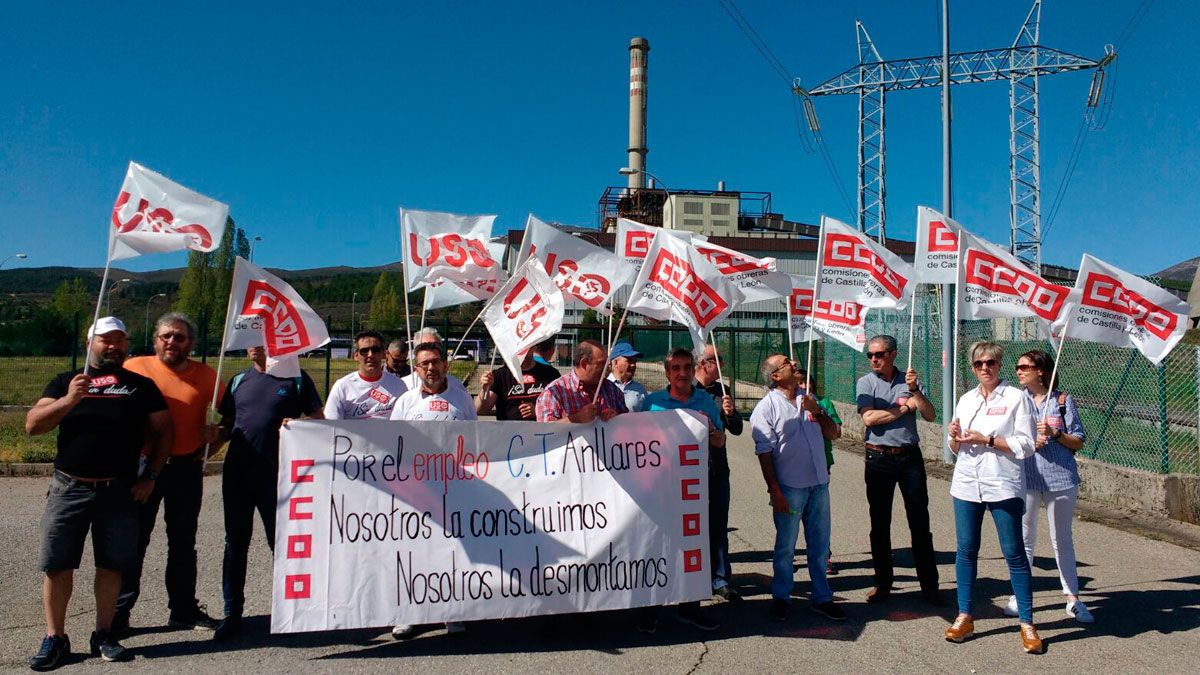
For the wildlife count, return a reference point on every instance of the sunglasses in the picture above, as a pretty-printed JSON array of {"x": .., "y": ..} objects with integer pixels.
[
  {"x": 990, "y": 363},
  {"x": 364, "y": 351},
  {"x": 1022, "y": 367},
  {"x": 878, "y": 355}
]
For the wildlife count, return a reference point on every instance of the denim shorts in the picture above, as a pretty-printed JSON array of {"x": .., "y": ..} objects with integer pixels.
[{"x": 72, "y": 508}]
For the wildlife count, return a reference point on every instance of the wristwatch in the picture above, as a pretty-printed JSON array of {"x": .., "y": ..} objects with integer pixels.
[
  {"x": 1057, "y": 434},
  {"x": 992, "y": 441}
]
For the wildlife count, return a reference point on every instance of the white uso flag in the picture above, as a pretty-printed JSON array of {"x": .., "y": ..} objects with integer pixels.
[
  {"x": 757, "y": 278},
  {"x": 992, "y": 283},
  {"x": 936, "y": 259},
  {"x": 634, "y": 238},
  {"x": 264, "y": 311},
  {"x": 853, "y": 267},
  {"x": 843, "y": 321},
  {"x": 525, "y": 311},
  {"x": 154, "y": 214},
  {"x": 1118, "y": 308},
  {"x": 446, "y": 246},
  {"x": 450, "y": 293},
  {"x": 582, "y": 271},
  {"x": 678, "y": 283}
]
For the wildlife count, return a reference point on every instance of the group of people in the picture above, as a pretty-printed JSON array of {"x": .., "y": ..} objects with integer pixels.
[{"x": 133, "y": 434}]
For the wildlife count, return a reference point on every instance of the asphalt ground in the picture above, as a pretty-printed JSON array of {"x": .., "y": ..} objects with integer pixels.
[{"x": 1143, "y": 590}]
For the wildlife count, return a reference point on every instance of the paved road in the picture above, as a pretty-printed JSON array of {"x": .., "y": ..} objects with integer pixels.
[{"x": 1145, "y": 594}]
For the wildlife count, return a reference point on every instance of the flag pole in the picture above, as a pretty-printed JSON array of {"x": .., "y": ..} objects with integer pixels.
[
  {"x": 787, "y": 308},
  {"x": 620, "y": 325},
  {"x": 87, "y": 355},
  {"x": 717, "y": 355},
  {"x": 404, "y": 284},
  {"x": 220, "y": 361},
  {"x": 424, "y": 306},
  {"x": 812, "y": 317},
  {"x": 912, "y": 323},
  {"x": 1062, "y": 341}
]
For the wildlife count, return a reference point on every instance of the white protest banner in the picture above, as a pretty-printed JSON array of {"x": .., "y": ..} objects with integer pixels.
[
  {"x": 992, "y": 283},
  {"x": 582, "y": 270},
  {"x": 383, "y": 523},
  {"x": 526, "y": 310},
  {"x": 444, "y": 293},
  {"x": 634, "y": 239},
  {"x": 680, "y": 284},
  {"x": 757, "y": 278},
  {"x": 936, "y": 258},
  {"x": 854, "y": 267},
  {"x": 154, "y": 214},
  {"x": 446, "y": 246},
  {"x": 265, "y": 311},
  {"x": 843, "y": 321},
  {"x": 1120, "y": 309}
]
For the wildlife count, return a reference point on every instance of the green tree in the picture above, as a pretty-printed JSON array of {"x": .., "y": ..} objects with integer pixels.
[
  {"x": 385, "y": 305},
  {"x": 69, "y": 298},
  {"x": 590, "y": 318}
]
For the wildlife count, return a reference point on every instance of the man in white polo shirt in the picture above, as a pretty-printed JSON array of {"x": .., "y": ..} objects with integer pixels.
[
  {"x": 434, "y": 400},
  {"x": 371, "y": 391},
  {"x": 413, "y": 379}
]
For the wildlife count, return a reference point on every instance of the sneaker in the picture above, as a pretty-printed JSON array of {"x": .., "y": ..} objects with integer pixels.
[
  {"x": 728, "y": 594},
  {"x": 55, "y": 649},
  {"x": 779, "y": 610},
  {"x": 193, "y": 619},
  {"x": 961, "y": 630},
  {"x": 105, "y": 646},
  {"x": 228, "y": 629},
  {"x": 648, "y": 623},
  {"x": 120, "y": 625},
  {"x": 1031, "y": 642},
  {"x": 1079, "y": 611},
  {"x": 830, "y": 570},
  {"x": 1010, "y": 609},
  {"x": 878, "y": 595},
  {"x": 829, "y": 610},
  {"x": 455, "y": 628},
  {"x": 404, "y": 631},
  {"x": 694, "y": 616}
]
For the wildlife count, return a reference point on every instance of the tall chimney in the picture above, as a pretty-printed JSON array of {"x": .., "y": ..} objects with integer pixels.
[{"x": 638, "y": 49}]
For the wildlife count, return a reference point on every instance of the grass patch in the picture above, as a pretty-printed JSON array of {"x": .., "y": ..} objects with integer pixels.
[{"x": 17, "y": 446}]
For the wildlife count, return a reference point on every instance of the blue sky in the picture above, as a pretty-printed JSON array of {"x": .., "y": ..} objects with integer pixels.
[{"x": 316, "y": 121}]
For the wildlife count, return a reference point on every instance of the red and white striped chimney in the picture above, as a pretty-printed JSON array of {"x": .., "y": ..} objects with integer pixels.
[{"x": 639, "y": 48}]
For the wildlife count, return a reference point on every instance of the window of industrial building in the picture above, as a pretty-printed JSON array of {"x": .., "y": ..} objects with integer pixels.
[
  {"x": 719, "y": 209},
  {"x": 693, "y": 222},
  {"x": 693, "y": 208},
  {"x": 718, "y": 223}
]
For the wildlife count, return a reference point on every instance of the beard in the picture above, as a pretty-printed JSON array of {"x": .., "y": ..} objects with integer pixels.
[{"x": 110, "y": 360}]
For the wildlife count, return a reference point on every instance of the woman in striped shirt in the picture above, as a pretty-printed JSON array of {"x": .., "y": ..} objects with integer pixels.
[{"x": 1051, "y": 474}]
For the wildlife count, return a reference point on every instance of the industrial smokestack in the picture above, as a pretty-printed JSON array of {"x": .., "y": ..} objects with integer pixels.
[{"x": 638, "y": 50}]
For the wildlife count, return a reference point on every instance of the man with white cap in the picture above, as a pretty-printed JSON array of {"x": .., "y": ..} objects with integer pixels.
[
  {"x": 103, "y": 413},
  {"x": 624, "y": 360}
]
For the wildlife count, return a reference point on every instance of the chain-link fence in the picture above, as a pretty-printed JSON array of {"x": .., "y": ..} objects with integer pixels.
[{"x": 1136, "y": 414}]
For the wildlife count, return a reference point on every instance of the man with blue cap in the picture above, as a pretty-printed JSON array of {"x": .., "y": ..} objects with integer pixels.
[{"x": 624, "y": 359}]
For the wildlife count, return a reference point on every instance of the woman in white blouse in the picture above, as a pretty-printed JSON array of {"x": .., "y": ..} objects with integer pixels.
[{"x": 992, "y": 433}]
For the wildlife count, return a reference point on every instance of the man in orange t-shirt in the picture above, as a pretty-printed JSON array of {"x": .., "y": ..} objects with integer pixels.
[{"x": 188, "y": 387}]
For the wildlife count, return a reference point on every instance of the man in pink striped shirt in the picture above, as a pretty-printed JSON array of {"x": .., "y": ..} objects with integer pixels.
[{"x": 569, "y": 398}]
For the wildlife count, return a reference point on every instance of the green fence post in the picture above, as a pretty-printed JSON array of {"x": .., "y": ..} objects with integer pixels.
[
  {"x": 1164, "y": 452},
  {"x": 328, "y": 353},
  {"x": 75, "y": 342},
  {"x": 733, "y": 347}
]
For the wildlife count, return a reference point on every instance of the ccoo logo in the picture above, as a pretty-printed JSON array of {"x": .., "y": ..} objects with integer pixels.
[
  {"x": 283, "y": 328},
  {"x": 678, "y": 279}
]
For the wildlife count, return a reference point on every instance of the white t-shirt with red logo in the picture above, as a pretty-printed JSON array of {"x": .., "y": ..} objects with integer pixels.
[
  {"x": 452, "y": 404},
  {"x": 353, "y": 397}
]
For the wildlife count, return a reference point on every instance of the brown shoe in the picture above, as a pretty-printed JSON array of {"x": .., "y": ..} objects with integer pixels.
[
  {"x": 961, "y": 630},
  {"x": 878, "y": 595},
  {"x": 1030, "y": 642}
]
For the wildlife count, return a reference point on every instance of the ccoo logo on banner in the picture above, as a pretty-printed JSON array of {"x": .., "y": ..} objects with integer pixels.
[
  {"x": 265, "y": 311},
  {"x": 857, "y": 269},
  {"x": 845, "y": 322}
]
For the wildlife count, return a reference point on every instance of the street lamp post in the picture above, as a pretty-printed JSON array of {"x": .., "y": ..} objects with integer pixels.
[
  {"x": 256, "y": 240},
  {"x": 156, "y": 295},
  {"x": 108, "y": 296},
  {"x": 353, "y": 301},
  {"x": 18, "y": 256}
]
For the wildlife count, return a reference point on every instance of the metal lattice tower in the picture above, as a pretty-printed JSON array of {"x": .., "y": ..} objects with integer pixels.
[{"x": 1021, "y": 64}]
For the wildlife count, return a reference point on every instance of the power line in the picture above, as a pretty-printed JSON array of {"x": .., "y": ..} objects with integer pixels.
[
  {"x": 756, "y": 40},
  {"x": 1133, "y": 23}
]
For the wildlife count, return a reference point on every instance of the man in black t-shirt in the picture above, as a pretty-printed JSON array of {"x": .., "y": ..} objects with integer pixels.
[
  {"x": 513, "y": 400},
  {"x": 104, "y": 414},
  {"x": 254, "y": 406}
]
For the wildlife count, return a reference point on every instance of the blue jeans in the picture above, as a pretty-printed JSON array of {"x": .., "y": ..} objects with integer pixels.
[
  {"x": 810, "y": 505},
  {"x": 247, "y": 485},
  {"x": 968, "y": 520},
  {"x": 718, "y": 516}
]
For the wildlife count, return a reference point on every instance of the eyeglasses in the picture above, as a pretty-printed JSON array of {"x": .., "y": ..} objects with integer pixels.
[
  {"x": 173, "y": 337},
  {"x": 879, "y": 355},
  {"x": 990, "y": 363},
  {"x": 785, "y": 364},
  {"x": 1022, "y": 367},
  {"x": 375, "y": 349},
  {"x": 425, "y": 365}
]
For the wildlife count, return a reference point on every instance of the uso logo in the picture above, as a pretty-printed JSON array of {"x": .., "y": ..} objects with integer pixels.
[
  {"x": 281, "y": 324},
  {"x": 156, "y": 220},
  {"x": 590, "y": 289},
  {"x": 680, "y": 282},
  {"x": 986, "y": 270},
  {"x": 1105, "y": 292},
  {"x": 533, "y": 306},
  {"x": 452, "y": 250},
  {"x": 846, "y": 251}
]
